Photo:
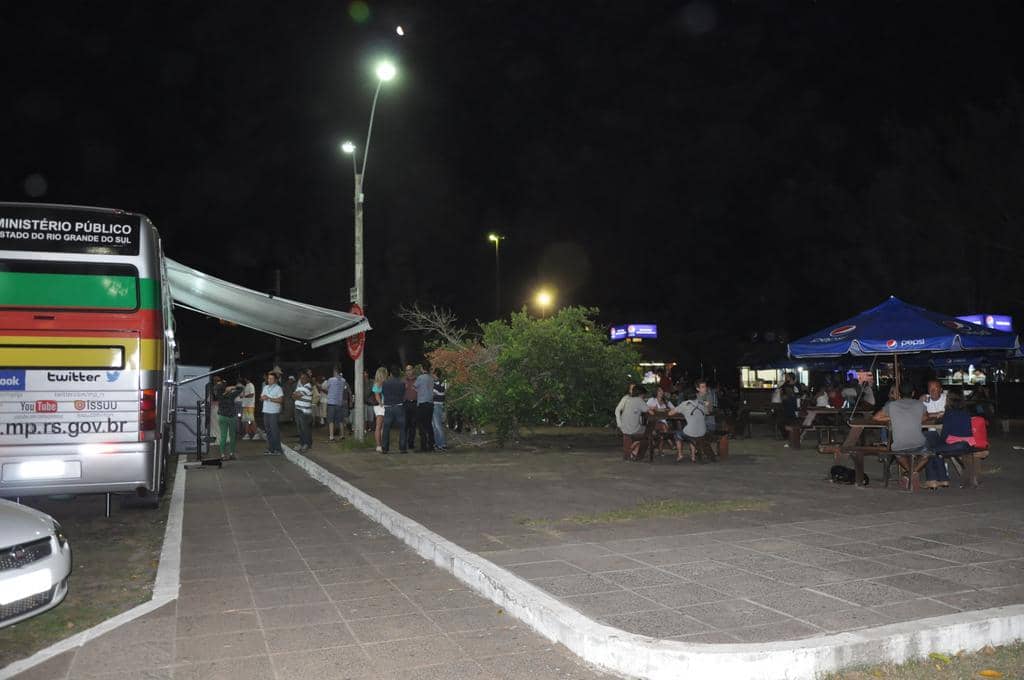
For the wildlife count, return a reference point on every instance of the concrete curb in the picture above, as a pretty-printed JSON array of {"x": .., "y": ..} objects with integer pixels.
[
  {"x": 165, "y": 586},
  {"x": 639, "y": 656}
]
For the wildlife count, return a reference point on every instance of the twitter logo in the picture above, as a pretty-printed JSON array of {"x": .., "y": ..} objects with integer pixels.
[{"x": 112, "y": 376}]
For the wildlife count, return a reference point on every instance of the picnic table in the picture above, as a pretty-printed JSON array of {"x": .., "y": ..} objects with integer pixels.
[
  {"x": 676, "y": 422},
  {"x": 911, "y": 461}
]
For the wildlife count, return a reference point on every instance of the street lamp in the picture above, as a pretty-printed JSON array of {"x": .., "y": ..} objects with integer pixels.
[
  {"x": 544, "y": 298},
  {"x": 385, "y": 71},
  {"x": 496, "y": 240}
]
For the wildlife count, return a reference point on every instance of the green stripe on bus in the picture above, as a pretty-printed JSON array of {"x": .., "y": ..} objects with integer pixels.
[{"x": 26, "y": 289}]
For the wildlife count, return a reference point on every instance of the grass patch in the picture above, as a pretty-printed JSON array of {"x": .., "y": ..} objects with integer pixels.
[
  {"x": 668, "y": 507},
  {"x": 113, "y": 569},
  {"x": 991, "y": 662}
]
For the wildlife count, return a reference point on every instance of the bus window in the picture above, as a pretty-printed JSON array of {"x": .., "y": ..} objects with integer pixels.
[{"x": 68, "y": 286}]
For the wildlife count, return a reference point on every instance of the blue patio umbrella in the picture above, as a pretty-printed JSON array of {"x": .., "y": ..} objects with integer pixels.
[{"x": 895, "y": 327}]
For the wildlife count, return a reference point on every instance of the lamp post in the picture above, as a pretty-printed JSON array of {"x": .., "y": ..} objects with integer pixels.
[
  {"x": 496, "y": 240},
  {"x": 385, "y": 71},
  {"x": 544, "y": 298}
]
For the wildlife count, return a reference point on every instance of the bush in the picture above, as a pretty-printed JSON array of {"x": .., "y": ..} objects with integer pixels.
[{"x": 526, "y": 371}]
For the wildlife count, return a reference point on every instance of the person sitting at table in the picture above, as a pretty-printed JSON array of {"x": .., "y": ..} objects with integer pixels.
[
  {"x": 956, "y": 429},
  {"x": 849, "y": 393},
  {"x": 905, "y": 416},
  {"x": 629, "y": 419},
  {"x": 934, "y": 400},
  {"x": 867, "y": 394},
  {"x": 821, "y": 397},
  {"x": 696, "y": 425},
  {"x": 659, "y": 402}
]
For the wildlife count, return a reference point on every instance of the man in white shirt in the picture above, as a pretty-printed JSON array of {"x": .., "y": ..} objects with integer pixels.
[
  {"x": 303, "y": 396},
  {"x": 249, "y": 410},
  {"x": 629, "y": 419},
  {"x": 696, "y": 424},
  {"x": 272, "y": 397},
  {"x": 934, "y": 400}
]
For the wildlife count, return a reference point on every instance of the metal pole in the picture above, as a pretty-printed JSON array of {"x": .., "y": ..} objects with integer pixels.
[
  {"x": 497, "y": 279},
  {"x": 359, "y": 428}
]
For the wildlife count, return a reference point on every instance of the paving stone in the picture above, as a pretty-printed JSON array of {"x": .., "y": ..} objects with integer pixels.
[
  {"x": 847, "y": 619},
  {"x": 532, "y": 666},
  {"x": 800, "y": 602},
  {"x": 641, "y": 578},
  {"x": 984, "y": 599},
  {"x": 220, "y": 646},
  {"x": 746, "y": 585},
  {"x": 682, "y": 594},
  {"x": 385, "y": 628},
  {"x": 757, "y": 562},
  {"x": 370, "y": 607},
  {"x": 98, "y": 658},
  {"x": 866, "y": 593},
  {"x": 221, "y": 622},
  {"x": 290, "y": 596},
  {"x": 422, "y": 651},
  {"x": 471, "y": 618},
  {"x": 772, "y": 545},
  {"x": 784, "y": 630},
  {"x": 298, "y": 615},
  {"x": 348, "y": 663},
  {"x": 536, "y": 570},
  {"x": 251, "y": 668},
  {"x": 576, "y": 584},
  {"x": 960, "y": 554},
  {"x": 671, "y": 556},
  {"x": 923, "y": 583},
  {"x": 55, "y": 667},
  {"x": 603, "y": 604},
  {"x": 272, "y": 581},
  {"x": 660, "y": 623},
  {"x": 303, "y": 638},
  {"x": 602, "y": 563},
  {"x": 479, "y": 644},
  {"x": 976, "y": 577},
  {"x": 701, "y": 571},
  {"x": 915, "y": 561},
  {"x": 456, "y": 670},
  {"x": 913, "y": 610},
  {"x": 355, "y": 590},
  {"x": 732, "y": 614},
  {"x": 1002, "y": 549},
  {"x": 802, "y": 575},
  {"x": 711, "y": 638}
]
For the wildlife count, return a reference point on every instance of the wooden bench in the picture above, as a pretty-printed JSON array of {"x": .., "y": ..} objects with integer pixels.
[{"x": 966, "y": 463}]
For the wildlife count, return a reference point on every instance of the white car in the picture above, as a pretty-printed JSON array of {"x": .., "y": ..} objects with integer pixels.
[{"x": 35, "y": 563}]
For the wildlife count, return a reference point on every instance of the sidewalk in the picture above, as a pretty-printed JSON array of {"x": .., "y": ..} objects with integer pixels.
[{"x": 280, "y": 580}]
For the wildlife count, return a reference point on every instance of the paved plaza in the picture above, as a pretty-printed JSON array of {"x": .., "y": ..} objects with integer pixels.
[{"x": 812, "y": 558}]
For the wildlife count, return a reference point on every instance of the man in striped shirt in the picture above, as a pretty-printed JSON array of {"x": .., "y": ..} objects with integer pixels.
[{"x": 303, "y": 397}]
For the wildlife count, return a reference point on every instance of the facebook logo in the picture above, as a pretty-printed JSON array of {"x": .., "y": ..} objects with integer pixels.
[{"x": 12, "y": 380}]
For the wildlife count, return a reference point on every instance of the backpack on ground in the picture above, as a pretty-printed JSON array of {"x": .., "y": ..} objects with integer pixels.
[{"x": 841, "y": 474}]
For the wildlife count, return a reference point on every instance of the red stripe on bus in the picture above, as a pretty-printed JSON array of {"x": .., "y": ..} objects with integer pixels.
[{"x": 149, "y": 323}]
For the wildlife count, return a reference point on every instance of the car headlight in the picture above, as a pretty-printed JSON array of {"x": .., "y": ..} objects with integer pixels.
[{"x": 62, "y": 539}]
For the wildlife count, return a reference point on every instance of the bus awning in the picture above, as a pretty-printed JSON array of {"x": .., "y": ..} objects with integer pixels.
[{"x": 288, "y": 319}]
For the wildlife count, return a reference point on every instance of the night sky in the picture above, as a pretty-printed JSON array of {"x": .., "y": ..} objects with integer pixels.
[{"x": 723, "y": 169}]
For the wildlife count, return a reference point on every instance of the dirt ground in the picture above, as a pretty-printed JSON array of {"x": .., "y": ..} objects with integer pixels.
[{"x": 113, "y": 568}]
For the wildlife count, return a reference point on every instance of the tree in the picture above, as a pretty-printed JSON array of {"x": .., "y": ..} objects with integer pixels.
[{"x": 526, "y": 371}]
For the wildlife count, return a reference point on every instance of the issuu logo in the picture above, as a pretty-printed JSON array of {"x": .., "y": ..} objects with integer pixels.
[{"x": 12, "y": 381}]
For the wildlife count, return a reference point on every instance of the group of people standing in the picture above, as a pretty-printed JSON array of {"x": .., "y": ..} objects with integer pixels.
[{"x": 414, "y": 403}]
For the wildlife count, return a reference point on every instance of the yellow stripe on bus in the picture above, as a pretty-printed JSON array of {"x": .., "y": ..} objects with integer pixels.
[
  {"x": 148, "y": 357},
  {"x": 61, "y": 357}
]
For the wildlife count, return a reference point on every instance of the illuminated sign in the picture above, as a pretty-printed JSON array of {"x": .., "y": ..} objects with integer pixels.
[
  {"x": 998, "y": 322},
  {"x": 641, "y": 331}
]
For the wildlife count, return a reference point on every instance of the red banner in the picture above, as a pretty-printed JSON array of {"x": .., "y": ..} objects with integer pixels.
[{"x": 356, "y": 342}]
